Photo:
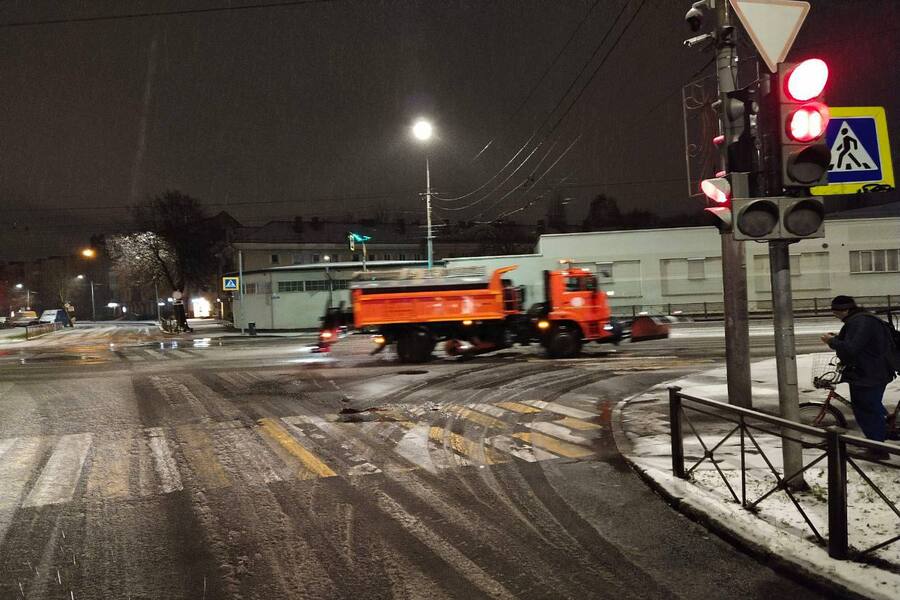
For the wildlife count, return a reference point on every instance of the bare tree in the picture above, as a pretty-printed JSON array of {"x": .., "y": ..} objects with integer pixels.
[{"x": 144, "y": 258}]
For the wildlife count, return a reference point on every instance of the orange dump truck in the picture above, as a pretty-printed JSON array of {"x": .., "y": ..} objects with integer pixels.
[{"x": 473, "y": 313}]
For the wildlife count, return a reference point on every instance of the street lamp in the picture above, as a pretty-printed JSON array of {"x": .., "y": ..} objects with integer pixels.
[
  {"x": 20, "y": 286},
  {"x": 93, "y": 306},
  {"x": 89, "y": 253},
  {"x": 423, "y": 131},
  {"x": 327, "y": 260}
]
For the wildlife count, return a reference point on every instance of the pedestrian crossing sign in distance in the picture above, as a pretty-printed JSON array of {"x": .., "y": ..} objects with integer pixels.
[
  {"x": 860, "y": 150},
  {"x": 230, "y": 284}
]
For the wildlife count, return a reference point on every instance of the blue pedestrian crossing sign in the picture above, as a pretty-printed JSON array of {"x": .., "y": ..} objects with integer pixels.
[
  {"x": 860, "y": 150},
  {"x": 230, "y": 284}
]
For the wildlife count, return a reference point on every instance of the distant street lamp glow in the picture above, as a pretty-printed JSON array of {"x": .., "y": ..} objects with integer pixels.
[
  {"x": 80, "y": 277},
  {"x": 89, "y": 253},
  {"x": 423, "y": 130},
  {"x": 19, "y": 286}
]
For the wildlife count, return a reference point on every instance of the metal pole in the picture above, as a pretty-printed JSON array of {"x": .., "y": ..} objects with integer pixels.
[
  {"x": 837, "y": 493},
  {"x": 93, "y": 305},
  {"x": 241, "y": 286},
  {"x": 365, "y": 255},
  {"x": 27, "y": 299},
  {"x": 676, "y": 433},
  {"x": 428, "y": 212},
  {"x": 785, "y": 358},
  {"x": 734, "y": 277}
]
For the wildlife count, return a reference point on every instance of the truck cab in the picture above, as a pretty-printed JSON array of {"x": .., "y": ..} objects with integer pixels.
[{"x": 575, "y": 311}]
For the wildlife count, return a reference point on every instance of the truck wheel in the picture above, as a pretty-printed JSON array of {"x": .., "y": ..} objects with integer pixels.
[
  {"x": 564, "y": 343},
  {"x": 415, "y": 346}
]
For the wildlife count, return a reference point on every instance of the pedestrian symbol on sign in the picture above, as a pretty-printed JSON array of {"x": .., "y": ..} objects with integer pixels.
[
  {"x": 848, "y": 154},
  {"x": 230, "y": 284}
]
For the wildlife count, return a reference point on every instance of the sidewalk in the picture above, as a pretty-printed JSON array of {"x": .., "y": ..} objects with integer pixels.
[{"x": 776, "y": 530}]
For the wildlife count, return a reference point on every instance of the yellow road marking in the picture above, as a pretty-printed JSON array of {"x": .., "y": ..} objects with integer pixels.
[
  {"x": 553, "y": 445},
  {"x": 573, "y": 423},
  {"x": 477, "y": 417},
  {"x": 293, "y": 447},
  {"x": 519, "y": 408},
  {"x": 466, "y": 447}
]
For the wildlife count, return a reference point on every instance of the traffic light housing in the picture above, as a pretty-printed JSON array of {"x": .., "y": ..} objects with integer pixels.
[
  {"x": 803, "y": 119},
  {"x": 718, "y": 190},
  {"x": 779, "y": 218},
  {"x": 739, "y": 110}
]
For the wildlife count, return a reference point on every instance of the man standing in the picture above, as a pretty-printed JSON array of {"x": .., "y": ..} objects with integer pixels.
[{"x": 862, "y": 346}]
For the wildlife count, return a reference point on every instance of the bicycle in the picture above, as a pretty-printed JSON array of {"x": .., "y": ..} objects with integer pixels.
[{"x": 824, "y": 414}]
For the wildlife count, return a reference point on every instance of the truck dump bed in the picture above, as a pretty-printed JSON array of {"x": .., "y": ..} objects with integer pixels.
[{"x": 430, "y": 296}]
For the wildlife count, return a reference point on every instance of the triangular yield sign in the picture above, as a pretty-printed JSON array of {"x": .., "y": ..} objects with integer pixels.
[{"x": 772, "y": 25}]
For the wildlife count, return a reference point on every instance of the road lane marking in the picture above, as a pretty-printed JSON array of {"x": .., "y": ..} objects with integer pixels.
[
  {"x": 518, "y": 407},
  {"x": 61, "y": 474},
  {"x": 310, "y": 461},
  {"x": 252, "y": 460},
  {"x": 6, "y": 445},
  {"x": 166, "y": 469},
  {"x": 508, "y": 445},
  {"x": 561, "y": 409},
  {"x": 181, "y": 353},
  {"x": 352, "y": 455},
  {"x": 539, "y": 440},
  {"x": 154, "y": 354},
  {"x": 463, "y": 446}
]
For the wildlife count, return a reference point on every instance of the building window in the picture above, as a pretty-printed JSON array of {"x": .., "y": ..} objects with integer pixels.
[
  {"x": 874, "y": 261},
  {"x": 401, "y": 256},
  {"x": 316, "y": 258},
  {"x": 318, "y": 285},
  {"x": 340, "y": 284},
  {"x": 297, "y": 259},
  {"x": 290, "y": 286},
  {"x": 373, "y": 256},
  {"x": 274, "y": 259},
  {"x": 696, "y": 268},
  {"x": 605, "y": 272},
  {"x": 387, "y": 256},
  {"x": 250, "y": 288}
]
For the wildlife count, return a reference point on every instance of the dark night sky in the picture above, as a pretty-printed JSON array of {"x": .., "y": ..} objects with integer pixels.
[{"x": 304, "y": 110}]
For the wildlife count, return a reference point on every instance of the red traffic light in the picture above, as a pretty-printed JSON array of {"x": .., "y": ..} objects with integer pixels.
[
  {"x": 718, "y": 189},
  {"x": 807, "y": 80},
  {"x": 808, "y": 122}
]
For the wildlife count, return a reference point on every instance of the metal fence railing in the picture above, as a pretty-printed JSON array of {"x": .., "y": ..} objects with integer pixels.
[
  {"x": 833, "y": 443},
  {"x": 33, "y": 331},
  {"x": 810, "y": 307}
]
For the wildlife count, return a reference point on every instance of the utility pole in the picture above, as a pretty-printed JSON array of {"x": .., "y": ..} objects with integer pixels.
[
  {"x": 241, "y": 285},
  {"x": 734, "y": 275},
  {"x": 430, "y": 237}
]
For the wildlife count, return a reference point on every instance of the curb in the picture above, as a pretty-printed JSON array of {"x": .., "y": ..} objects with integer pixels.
[{"x": 735, "y": 526}]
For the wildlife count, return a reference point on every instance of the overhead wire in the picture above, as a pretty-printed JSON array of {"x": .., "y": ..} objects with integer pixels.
[
  {"x": 587, "y": 84},
  {"x": 554, "y": 109},
  {"x": 164, "y": 13}
]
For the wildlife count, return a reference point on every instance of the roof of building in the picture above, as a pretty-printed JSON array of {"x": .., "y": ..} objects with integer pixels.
[{"x": 376, "y": 264}]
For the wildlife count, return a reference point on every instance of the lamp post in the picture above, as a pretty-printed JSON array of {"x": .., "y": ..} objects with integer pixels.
[
  {"x": 423, "y": 131},
  {"x": 20, "y": 286},
  {"x": 327, "y": 260},
  {"x": 93, "y": 305}
]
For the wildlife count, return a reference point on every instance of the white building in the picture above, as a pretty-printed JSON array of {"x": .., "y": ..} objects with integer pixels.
[{"x": 658, "y": 270}]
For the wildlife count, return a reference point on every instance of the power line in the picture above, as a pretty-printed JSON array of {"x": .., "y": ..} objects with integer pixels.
[{"x": 164, "y": 13}]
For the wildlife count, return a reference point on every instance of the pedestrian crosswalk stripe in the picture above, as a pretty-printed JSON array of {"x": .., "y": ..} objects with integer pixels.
[
  {"x": 16, "y": 467},
  {"x": 155, "y": 354},
  {"x": 311, "y": 462},
  {"x": 518, "y": 407},
  {"x": 169, "y": 478},
  {"x": 477, "y": 417},
  {"x": 560, "y": 409},
  {"x": 557, "y": 431},
  {"x": 181, "y": 353},
  {"x": 553, "y": 445},
  {"x": 578, "y": 424},
  {"x": 6, "y": 445},
  {"x": 61, "y": 474}
]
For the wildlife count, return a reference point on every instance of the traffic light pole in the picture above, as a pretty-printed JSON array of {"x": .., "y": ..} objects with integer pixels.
[
  {"x": 786, "y": 357},
  {"x": 734, "y": 276}
]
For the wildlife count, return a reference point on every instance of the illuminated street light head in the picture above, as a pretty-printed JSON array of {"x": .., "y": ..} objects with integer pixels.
[
  {"x": 89, "y": 253},
  {"x": 80, "y": 277},
  {"x": 422, "y": 130},
  {"x": 19, "y": 286}
]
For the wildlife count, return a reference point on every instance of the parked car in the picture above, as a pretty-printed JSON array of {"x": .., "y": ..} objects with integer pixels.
[
  {"x": 24, "y": 318},
  {"x": 55, "y": 315}
]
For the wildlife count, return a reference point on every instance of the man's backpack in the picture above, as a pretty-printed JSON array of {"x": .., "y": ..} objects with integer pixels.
[{"x": 893, "y": 355}]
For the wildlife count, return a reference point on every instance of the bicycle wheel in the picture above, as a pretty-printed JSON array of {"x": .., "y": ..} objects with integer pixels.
[{"x": 818, "y": 414}]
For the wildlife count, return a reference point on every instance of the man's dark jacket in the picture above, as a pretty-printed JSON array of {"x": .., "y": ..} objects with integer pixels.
[{"x": 862, "y": 345}]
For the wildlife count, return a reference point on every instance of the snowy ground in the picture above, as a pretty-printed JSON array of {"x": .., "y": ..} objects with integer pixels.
[{"x": 777, "y": 527}]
